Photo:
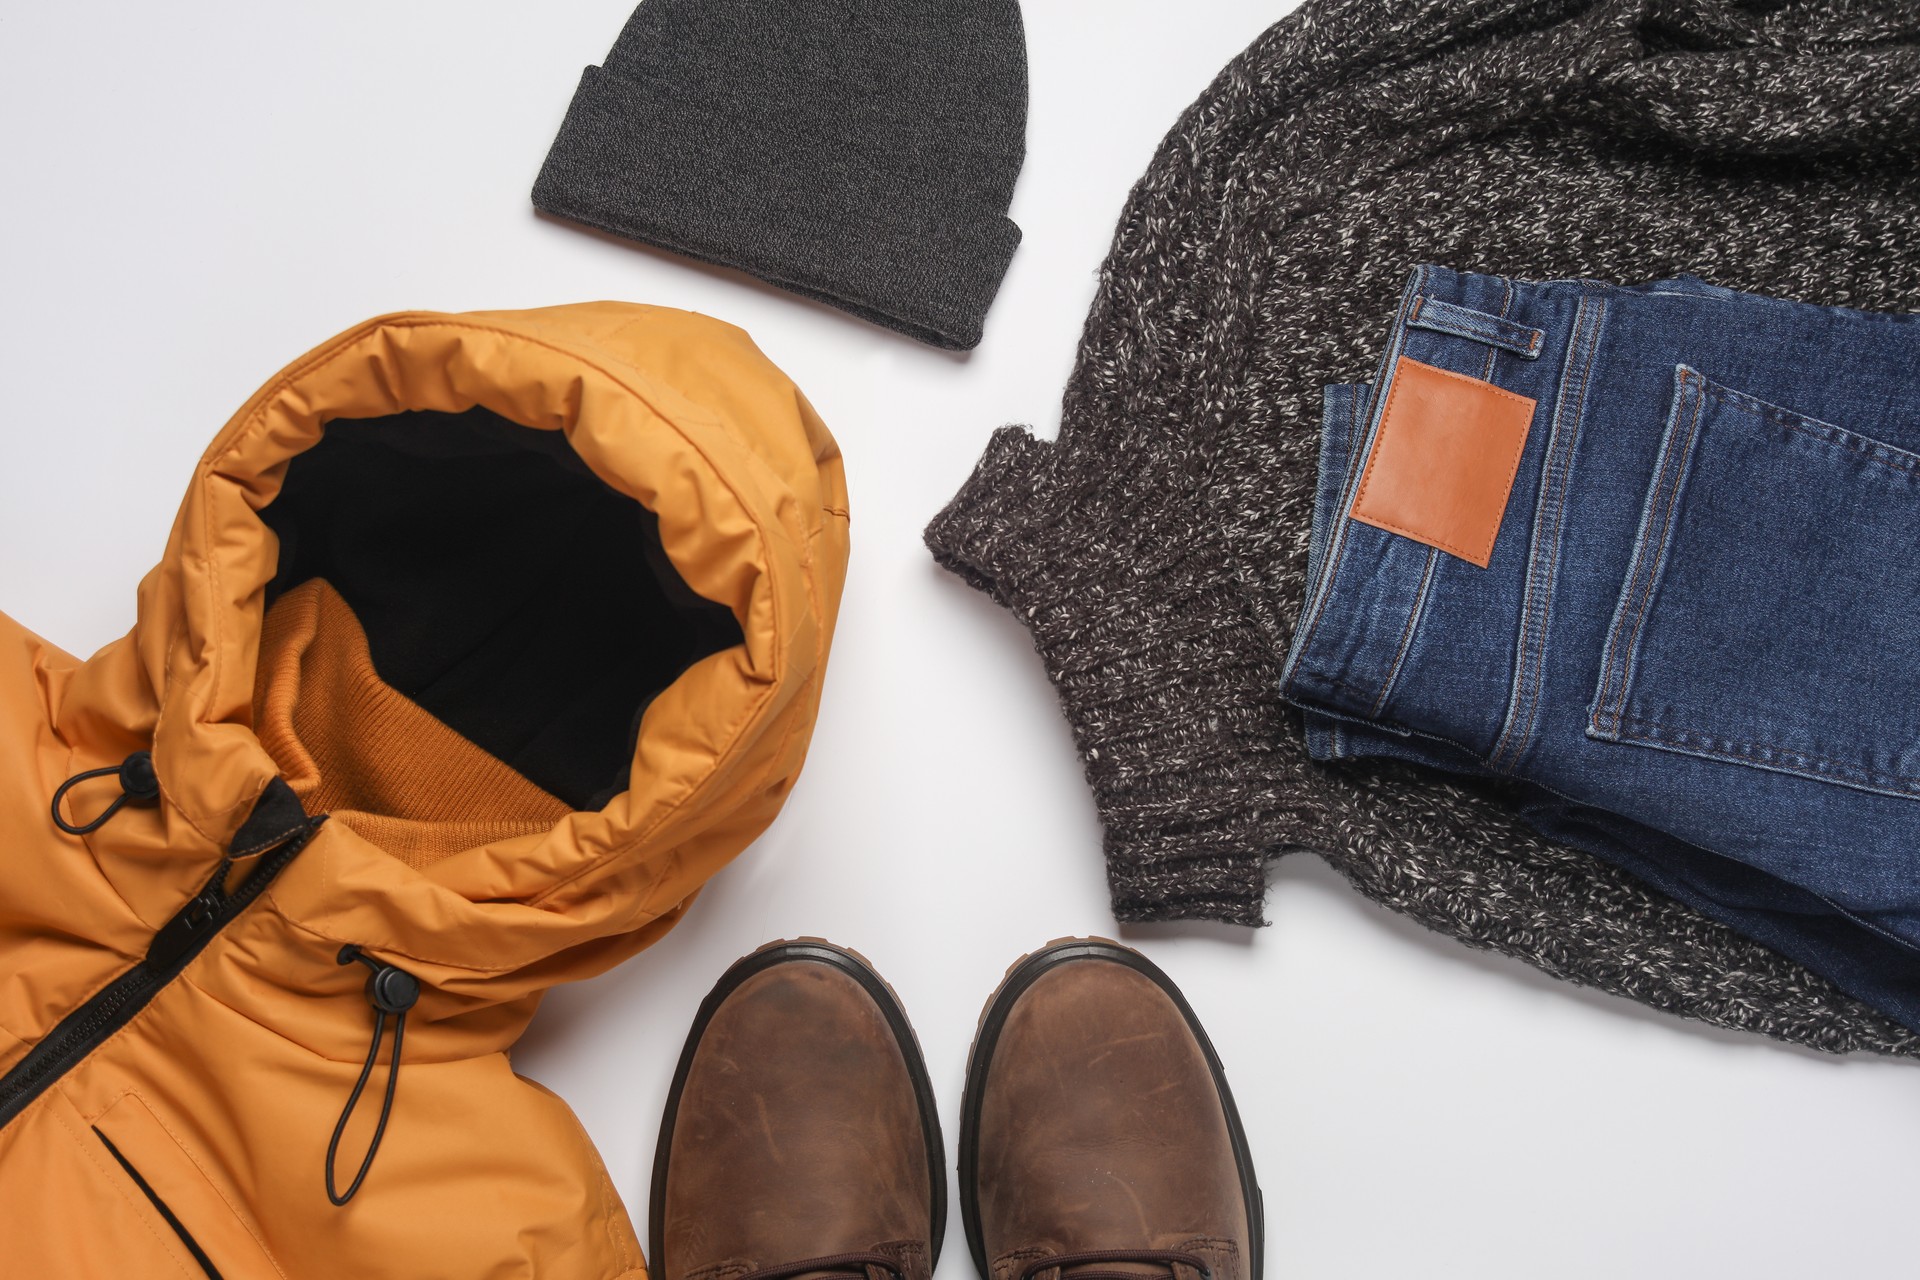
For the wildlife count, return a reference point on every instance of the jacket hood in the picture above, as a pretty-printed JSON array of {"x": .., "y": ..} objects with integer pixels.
[{"x": 603, "y": 542}]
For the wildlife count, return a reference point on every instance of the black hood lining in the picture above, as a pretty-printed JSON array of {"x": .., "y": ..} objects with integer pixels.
[{"x": 502, "y": 586}]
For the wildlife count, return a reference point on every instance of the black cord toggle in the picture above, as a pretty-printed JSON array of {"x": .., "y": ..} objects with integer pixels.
[
  {"x": 391, "y": 991},
  {"x": 138, "y": 781}
]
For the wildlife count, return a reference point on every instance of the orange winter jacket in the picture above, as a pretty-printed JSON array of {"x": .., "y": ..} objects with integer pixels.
[{"x": 480, "y": 643}]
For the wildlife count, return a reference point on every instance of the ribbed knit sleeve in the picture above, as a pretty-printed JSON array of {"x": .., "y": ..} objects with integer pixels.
[{"x": 1168, "y": 684}]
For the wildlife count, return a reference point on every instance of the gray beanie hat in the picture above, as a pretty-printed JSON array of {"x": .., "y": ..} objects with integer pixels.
[{"x": 861, "y": 152}]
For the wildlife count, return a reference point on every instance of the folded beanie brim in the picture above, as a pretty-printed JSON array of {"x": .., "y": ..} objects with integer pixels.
[{"x": 697, "y": 184}]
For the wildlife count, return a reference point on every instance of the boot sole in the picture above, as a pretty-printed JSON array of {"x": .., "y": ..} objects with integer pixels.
[
  {"x": 1022, "y": 974},
  {"x": 857, "y": 967}
]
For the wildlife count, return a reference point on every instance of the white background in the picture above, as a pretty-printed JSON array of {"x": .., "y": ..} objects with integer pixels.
[{"x": 193, "y": 193}]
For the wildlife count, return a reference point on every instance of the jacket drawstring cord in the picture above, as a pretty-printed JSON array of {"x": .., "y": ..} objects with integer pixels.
[
  {"x": 390, "y": 991},
  {"x": 138, "y": 781}
]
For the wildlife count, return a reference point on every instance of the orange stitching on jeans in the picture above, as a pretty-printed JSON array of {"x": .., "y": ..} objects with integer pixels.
[
  {"x": 1678, "y": 465},
  {"x": 1559, "y": 523},
  {"x": 1887, "y": 455},
  {"x": 1406, "y": 636},
  {"x": 1738, "y": 749},
  {"x": 1630, "y": 588},
  {"x": 1493, "y": 351},
  {"x": 1337, "y": 548}
]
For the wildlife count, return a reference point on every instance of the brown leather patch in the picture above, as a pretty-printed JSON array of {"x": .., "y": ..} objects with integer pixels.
[{"x": 1444, "y": 460}]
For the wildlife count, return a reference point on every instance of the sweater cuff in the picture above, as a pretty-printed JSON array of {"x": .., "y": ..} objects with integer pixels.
[{"x": 1168, "y": 683}]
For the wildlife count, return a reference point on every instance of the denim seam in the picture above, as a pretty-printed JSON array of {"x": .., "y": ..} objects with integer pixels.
[
  {"x": 1493, "y": 352},
  {"x": 1536, "y": 607},
  {"x": 1871, "y": 926},
  {"x": 1847, "y": 912},
  {"x": 1406, "y": 635},
  {"x": 1357, "y": 404},
  {"x": 1464, "y": 322},
  {"x": 1355, "y": 419},
  {"x": 1630, "y": 585},
  {"x": 1639, "y": 729},
  {"x": 1683, "y": 467},
  {"x": 1287, "y": 681},
  {"x": 1336, "y": 716},
  {"x": 1336, "y": 552},
  {"x": 1506, "y": 306},
  {"x": 1402, "y": 731},
  {"x": 1336, "y": 682},
  {"x": 1892, "y": 457},
  {"x": 1649, "y": 557}
]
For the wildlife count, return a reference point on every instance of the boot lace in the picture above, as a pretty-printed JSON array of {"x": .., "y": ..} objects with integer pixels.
[
  {"x": 834, "y": 1266},
  {"x": 1097, "y": 1257}
]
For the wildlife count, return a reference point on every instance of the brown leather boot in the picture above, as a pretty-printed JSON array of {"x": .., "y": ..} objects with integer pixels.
[
  {"x": 1098, "y": 1138},
  {"x": 800, "y": 1136}
]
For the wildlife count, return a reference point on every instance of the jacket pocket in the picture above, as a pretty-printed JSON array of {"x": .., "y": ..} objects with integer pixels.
[
  {"x": 1772, "y": 602},
  {"x": 160, "y": 1206},
  {"x": 180, "y": 1192}
]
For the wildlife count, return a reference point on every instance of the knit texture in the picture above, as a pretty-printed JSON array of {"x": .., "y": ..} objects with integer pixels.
[
  {"x": 1157, "y": 549},
  {"x": 352, "y": 746},
  {"x": 862, "y": 153}
]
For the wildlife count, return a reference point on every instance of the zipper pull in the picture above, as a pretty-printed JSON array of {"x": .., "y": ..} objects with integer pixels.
[{"x": 189, "y": 923}]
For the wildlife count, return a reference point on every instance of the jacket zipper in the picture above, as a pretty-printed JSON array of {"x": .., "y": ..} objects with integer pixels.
[{"x": 173, "y": 948}]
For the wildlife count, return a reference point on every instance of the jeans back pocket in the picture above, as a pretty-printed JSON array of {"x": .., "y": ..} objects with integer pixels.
[{"x": 1771, "y": 611}]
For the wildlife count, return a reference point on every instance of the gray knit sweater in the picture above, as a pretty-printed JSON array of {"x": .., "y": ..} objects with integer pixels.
[{"x": 1157, "y": 550}]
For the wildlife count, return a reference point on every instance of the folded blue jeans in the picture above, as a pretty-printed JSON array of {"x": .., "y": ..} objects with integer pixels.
[{"x": 1650, "y": 555}]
